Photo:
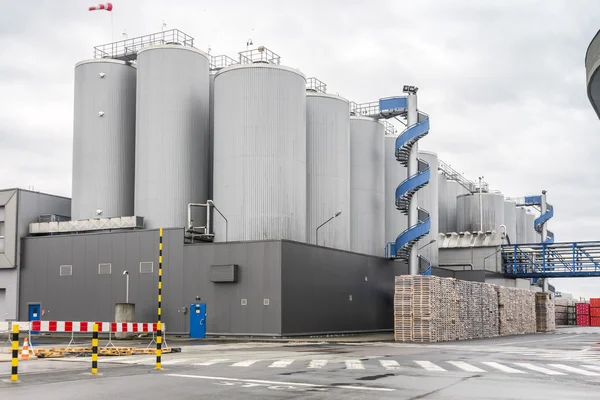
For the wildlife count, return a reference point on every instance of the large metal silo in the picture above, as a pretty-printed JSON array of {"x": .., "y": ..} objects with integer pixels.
[
  {"x": 103, "y": 139},
  {"x": 395, "y": 173},
  {"x": 522, "y": 236},
  {"x": 259, "y": 179},
  {"x": 454, "y": 189},
  {"x": 531, "y": 233},
  {"x": 367, "y": 192},
  {"x": 428, "y": 199},
  {"x": 211, "y": 131},
  {"x": 172, "y": 134},
  {"x": 510, "y": 220},
  {"x": 443, "y": 203},
  {"x": 328, "y": 169},
  {"x": 468, "y": 212}
]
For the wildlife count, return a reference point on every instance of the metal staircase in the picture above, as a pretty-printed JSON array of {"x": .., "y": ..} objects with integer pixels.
[{"x": 546, "y": 212}]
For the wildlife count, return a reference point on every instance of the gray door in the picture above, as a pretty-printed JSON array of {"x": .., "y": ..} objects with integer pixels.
[{"x": 3, "y": 307}]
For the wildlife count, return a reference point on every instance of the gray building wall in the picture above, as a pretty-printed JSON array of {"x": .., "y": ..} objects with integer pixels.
[{"x": 481, "y": 258}]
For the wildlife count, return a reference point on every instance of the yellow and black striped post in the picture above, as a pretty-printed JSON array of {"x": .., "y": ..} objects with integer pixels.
[
  {"x": 14, "y": 372},
  {"x": 159, "y": 324},
  {"x": 95, "y": 350}
]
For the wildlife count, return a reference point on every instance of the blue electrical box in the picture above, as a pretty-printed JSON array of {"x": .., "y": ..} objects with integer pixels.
[
  {"x": 35, "y": 314},
  {"x": 197, "y": 321}
]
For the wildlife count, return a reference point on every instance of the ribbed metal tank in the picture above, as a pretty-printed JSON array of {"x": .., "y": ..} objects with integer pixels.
[
  {"x": 172, "y": 134},
  {"x": 395, "y": 173},
  {"x": 367, "y": 192},
  {"x": 531, "y": 233},
  {"x": 443, "y": 203},
  {"x": 103, "y": 139},
  {"x": 510, "y": 220},
  {"x": 428, "y": 200},
  {"x": 522, "y": 225},
  {"x": 328, "y": 169},
  {"x": 259, "y": 179},
  {"x": 453, "y": 190},
  {"x": 468, "y": 212},
  {"x": 211, "y": 131}
]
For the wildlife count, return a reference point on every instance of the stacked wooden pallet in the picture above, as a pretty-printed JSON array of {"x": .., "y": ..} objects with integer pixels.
[
  {"x": 490, "y": 311},
  {"x": 516, "y": 311},
  {"x": 571, "y": 313},
  {"x": 561, "y": 311},
  {"x": 403, "y": 318},
  {"x": 544, "y": 312}
]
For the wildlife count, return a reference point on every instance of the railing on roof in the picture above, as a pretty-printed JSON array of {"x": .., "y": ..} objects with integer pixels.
[
  {"x": 452, "y": 174},
  {"x": 316, "y": 85},
  {"x": 221, "y": 61},
  {"x": 390, "y": 129},
  {"x": 127, "y": 49},
  {"x": 366, "y": 109},
  {"x": 258, "y": 55}
]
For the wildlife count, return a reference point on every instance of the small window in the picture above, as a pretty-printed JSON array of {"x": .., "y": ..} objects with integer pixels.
[
  {"x": 146, "y": 267},
  {"x": 265, "y": 302},
  {"x": 244, "y": 302},
  {"x": 66, "y": 270},
  {"x": 104, "y": 269}
]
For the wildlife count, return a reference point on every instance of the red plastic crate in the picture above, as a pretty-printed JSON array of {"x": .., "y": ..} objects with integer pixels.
[
  {"x": 583, "y": 320},
  {"x": 595, "y": 302},
  {"x": 582, "y": 308},
  {"x": 595, "y": 321},
  {"x": 595, "y": 311}
]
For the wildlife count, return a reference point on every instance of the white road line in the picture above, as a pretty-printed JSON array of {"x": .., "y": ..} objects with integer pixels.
[
  {"x": 317, "y": 364},
  {"x": 211, "y": 362},
  {"x": 537, "y": 368},
  {"x": 310, "y": 385},
  {"x": 138, "y": 361},
  {"x": 466, "y": 366},
  {"x": 574, "y": 370},
  {"x": 354, "y": 364},
  {"x": 175, "y": 361},
  {"x": 429, "y": 366},
  {"x": 390, "y": 364},
  {"x": 592, "y": 367},
  {"x": 503, "y": 368},
  {"x": 245, "y": 363},
  {"x": 281, "y": 364}
]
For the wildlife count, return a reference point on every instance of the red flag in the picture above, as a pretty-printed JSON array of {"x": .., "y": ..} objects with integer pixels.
[{"x": 105, "y": 6}]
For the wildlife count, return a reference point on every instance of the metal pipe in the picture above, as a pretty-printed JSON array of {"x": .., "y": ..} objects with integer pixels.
[
  {"x": 317, "y": 230},
  {"x": 413, "y": 168},
  {"x": 456, "y": 265},
  {"x": 212, "y": 203}
]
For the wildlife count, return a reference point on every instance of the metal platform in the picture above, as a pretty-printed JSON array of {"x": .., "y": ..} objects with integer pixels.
[
  {"x": 127, "y": 50},
  {"x": 551, "y": 260}
]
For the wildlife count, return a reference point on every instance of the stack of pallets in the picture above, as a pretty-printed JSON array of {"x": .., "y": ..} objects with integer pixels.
[
  {"x": 560, "y": 311},
  {"x": 490, "y": 312},
  {"x": 403, "y": 317},
  {"x": 595, "y": 312},
  {"x": 583, "y": 314},
  {"x": 571, "y": 313},
  {"x": 544, "y": 312},
  {"x": 516, "y": 311}
]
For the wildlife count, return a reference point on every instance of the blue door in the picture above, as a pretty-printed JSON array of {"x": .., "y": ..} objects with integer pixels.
[
  {"x": 197, "y": 321},
  {"x": 35, "y": 313}
]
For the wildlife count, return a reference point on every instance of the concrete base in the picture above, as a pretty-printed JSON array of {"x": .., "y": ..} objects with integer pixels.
[{"x": 124, "y": 312}]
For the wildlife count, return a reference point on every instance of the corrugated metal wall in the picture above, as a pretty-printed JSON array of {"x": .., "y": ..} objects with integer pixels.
[
  {"x": 328, "y": 169},
  {"x": 103, "y": 139},
  {"x": 510, "y": 220},
  {"x": 395, "y": 173},
  {"x": 367, "y": 192},
  {"x": 443, "y": 203},
  {"x": 260, "y": 152},
  {"x": 469, "y": 216},
  {"x": 427, "y": 198},
  {"x": 522, "y": 225},
  {"x": 172, "y": 136}
]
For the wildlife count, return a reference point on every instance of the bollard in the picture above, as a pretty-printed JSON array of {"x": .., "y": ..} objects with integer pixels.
[
  {"x": 95, "y": 350},
  {"x": 158, "y": 345},
  {"x": 159, "y": 311},
  {"x": 14, "y": 373}
]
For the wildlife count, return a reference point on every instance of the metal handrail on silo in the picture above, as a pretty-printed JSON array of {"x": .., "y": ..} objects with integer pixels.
[
  {"x": 221, "y": 61},
  {"x": 316, "y": 85},
  {"x": 127, "y": 49},
  {"x": 258, "y": 55}
]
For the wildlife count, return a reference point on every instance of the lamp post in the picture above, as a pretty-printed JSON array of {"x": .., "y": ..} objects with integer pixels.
[
  {"x": 126, "y": 286},
  {"x": 337, "y": 214}
]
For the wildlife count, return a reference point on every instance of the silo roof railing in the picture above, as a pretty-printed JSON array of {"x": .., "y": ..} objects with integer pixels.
[
  {"x": 452, "y": 174},
  {"x": 222, "y": 61},
  {"x": 390, "y": 129},
  {"x": 126, "y": 50},
  {"x": 316, "y": 85},
  {"x": 260, "y": 54}
]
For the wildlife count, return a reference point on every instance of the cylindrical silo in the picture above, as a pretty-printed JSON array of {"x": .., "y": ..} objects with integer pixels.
[
  {"x": 443, "y": 203},
  {"x": 395, "y": 173},
  {"x": 328, "y": 169},
  {"x": 468, "y": 211},
  {"x": 172, "y": 134},
  {"x": 367, "y": 193},
  {"x": 211, "y": 131},
  {"x": 427, "y": 199},
  {"x": 522, "y": 225},
  {"x": 454, "y": 189},
  {"x": 259, "y": 179},
  {"x": 103, "y": 139},
  {"x": 531, "y": 233},
  {"x": 510, "y": 220}
]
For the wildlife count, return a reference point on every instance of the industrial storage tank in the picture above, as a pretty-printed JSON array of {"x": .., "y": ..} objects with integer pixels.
[
  {"x": 453, "y": 190},
  {"x": 103, "y": 139},
  {"x": 211, "y": 131},
  {"x": 522, "y": 226},
  {"x": 427, "y": 198},
  {"x": 367, "y": 192},
  {"x": 469, "y": 213},
  {"x": 510, "y": 220},
  {"x": 172, "y": 143},
  {"x": 259, "y": 180},
  {"x": 328, "y": 169},
  {"x": 531, "y": 233},
  {"x": 443, "y": 203},
  {"x": 395, "y": 173}
]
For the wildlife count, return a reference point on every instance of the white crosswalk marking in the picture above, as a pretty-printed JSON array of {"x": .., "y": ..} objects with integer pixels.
[
  {"x": 574, "y": 370},
  {"x": 592, "y": 367},
  {"x": 142, "y": 360},
  {"x": 211, "y": 362},
  {"x": 466, "y": 366},
  {"x": 503, "y": 368},
  {"x": 281, "y": 364},
  {"x": 390, "y": 364},
  {"x": 245, "y": 363},
  {"x": 429, "y": 366},
  {"x": 317, "y": 364},
  {"x": 354, "y": 364},
  {"x": 174, "y": 361},
  {"x": 537, "y": 368}
]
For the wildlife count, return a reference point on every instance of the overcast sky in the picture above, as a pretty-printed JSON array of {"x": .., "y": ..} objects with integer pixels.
[{"x": 503, "y": 81}]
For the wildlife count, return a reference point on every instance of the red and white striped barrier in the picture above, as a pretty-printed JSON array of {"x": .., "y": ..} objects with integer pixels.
[{"x": 84, "y": 326}]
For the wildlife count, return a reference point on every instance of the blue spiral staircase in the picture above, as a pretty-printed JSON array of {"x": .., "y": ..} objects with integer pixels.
[{"x": 539, "y": 222}]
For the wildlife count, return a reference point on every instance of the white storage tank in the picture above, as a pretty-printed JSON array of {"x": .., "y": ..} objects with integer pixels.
[
  {"x": 367, "y": 193},
  {"x": 469, "y": 214},
  {"x": 259, "y": 178},
  {"x": 211, "y": 131},
  {"x": 443, "y": 203},
  {"x": 395, "y": 173},
  {"x": 531, "y": 233},
  {"x": 453, "y": 190},
  {"x": 103, "y": 139},
  {"x": 427, "y": 198},
  {"x": 328, "y": 169},
  {"x": 172, "y": 134},
  {"x": 522, "y": 226},
  {"x": 510, "y": 220}
]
